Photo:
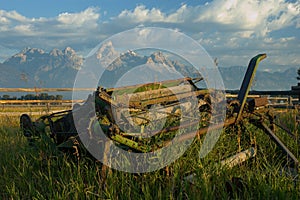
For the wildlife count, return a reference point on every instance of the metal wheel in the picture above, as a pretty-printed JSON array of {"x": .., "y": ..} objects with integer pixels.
[{"x": 26, "y": 125}]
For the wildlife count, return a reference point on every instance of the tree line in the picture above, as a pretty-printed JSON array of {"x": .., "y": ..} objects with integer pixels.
[{"x": 41, "y": 96}]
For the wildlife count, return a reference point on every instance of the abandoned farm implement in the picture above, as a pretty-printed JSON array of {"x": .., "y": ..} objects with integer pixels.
[{"x": 147, "y": 117}]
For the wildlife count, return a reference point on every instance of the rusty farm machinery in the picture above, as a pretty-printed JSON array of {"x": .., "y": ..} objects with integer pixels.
[{"x": 147, "y": 117}]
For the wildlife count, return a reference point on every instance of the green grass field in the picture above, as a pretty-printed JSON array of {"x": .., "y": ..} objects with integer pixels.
[{"x": 42, "y": 172}]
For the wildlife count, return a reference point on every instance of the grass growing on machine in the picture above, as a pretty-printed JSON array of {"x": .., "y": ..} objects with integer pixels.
[{"x": 42, "y": 172}]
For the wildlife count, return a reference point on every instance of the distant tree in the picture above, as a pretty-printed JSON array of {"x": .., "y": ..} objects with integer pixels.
[
  {"x": 58, "y": 97},
  {"x": 43, "y": 96},
  {"x": 30, "y": 97},
  {"x": 51, "y": 97},
  {"x": 6, "y": 97}
]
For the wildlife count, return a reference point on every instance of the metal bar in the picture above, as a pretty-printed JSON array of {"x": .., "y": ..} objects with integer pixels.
[
  {"x": 130, "y": 143},
  {"x": 228, "y": 95},
  {"x": 153, "y": 94},
  {"x": 296, "y": 88},
  {"x": 286, "y": 130},
  {"x": 229, "y": 162},
  {"x": 249, "y": 76},
  {"x": 176, "y": 97},
  {"x": 239, "y": 158},
  {"x": 175, "y": 82},
  {"x": 202, "y": 131},
  {"x": 280, "y": 143},
  {"x": 273, "y": 93},
  {"x": 282, "y": 106}
]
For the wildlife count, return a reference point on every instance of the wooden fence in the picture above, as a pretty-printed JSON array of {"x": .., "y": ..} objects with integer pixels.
[
  {"x": 39, "y": 102},
  {"x": 38, "y": 90},
  {"x": 274, "y": 97}
]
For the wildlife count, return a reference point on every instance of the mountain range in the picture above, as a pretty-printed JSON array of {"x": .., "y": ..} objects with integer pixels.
[{"x": 33, "y": 67}]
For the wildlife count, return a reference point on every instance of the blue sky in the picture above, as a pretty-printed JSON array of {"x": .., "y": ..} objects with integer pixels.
[
  {"x": 52, "y": 8},
  {"x": 231, "y": 30}
]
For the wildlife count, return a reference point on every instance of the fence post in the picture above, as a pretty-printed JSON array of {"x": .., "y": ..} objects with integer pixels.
[
  {"x": 298, "y": 93},
  {"x": 290, "y": 101}
]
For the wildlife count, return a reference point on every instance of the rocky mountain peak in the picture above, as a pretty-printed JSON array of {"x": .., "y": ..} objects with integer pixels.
[
  {"x": 159, "y": 57},
  {"x": 27, "y": 54},
  {"x": 131, "y": 53},
  {"x": 56, "y": 52},
  {"x": 29, "y": 50},
  {"x": 69, "y": 51},
  {"x": 106, "y": 50},
  {"x": 34, "y": 60},
  {"x": 149, "y": 60}
]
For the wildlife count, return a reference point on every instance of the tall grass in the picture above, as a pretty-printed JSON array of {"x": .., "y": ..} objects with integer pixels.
[{"x": 42, "y": 172}]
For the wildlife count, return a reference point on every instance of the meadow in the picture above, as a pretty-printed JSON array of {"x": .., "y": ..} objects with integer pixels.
[{"x": 40, "y": 171}]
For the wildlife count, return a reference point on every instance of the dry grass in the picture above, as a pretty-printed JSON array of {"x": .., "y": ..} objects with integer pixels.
[{"x": 42, "y": 172}]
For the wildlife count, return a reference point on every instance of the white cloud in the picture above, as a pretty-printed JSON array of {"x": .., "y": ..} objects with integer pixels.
[
  {"x": 88, "y": 16},
  {"x": 24, "y": 29},
  {"x": 4, "y": 20},
  {"x": 67, "y": 29},
  {"x": 253, "y": 17},
  {"x": 232, "y": 30},
  {"x": 142, "y": 14},
  {"x": 13, "y": 15},
  {"x": 261, "y": 17}
]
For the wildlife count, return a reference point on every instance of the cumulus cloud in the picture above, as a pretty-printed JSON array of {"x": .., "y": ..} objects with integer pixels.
[
  {"x": 86, "y": 17},
  {"x": 260, "y": 17},
  {"x": 231, "y": 30},
  {"x": 13, "y": 16},
  {"x": 67, "y": 29},
  {"x": 142, "y": 14}
]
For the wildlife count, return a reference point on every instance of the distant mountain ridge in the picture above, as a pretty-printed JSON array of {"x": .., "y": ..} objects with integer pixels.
[
  {"x": 277, "y": 81},
  {"x": 34, "y": 67}
]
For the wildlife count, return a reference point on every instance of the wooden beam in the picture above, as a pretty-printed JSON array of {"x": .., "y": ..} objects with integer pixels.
[
  {"x": 45, "y": 89},
  {"x": 38, "y": 101}
]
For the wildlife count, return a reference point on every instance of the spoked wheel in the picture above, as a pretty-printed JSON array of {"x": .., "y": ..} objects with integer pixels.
[{"x": 26, "y": 125}]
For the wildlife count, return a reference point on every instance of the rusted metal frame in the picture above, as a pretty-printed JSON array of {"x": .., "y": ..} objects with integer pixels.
[
  {"x": 296, "y": 88},
  {"x": 173, "y": 128},
  {"x": 204, "y": 130},
  {"x": 283, "y": 106},
  {"x": 173, "y": 98},
  {"x": 107, "y": 98},
  {"x": 165, "y": 99},
  {"x": 143, "y": 148},
  {"x": 180, "y": 138},
  {"x": 57, "y": 114},
  {"x": 153, "y": 94},
  {"x": 247, "y": 82},
  {"x": 130, "y": 143},
  {"x": 292, "y": 135},
  {"x": 278, "y": 125},
  {"x": 143, "y": 111},
  {"x": 185, "y": 124},
  {"x": 239, "y": 157},
  {"x": 272, "y": 136},
  {"x": 177, "y": 81}
]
